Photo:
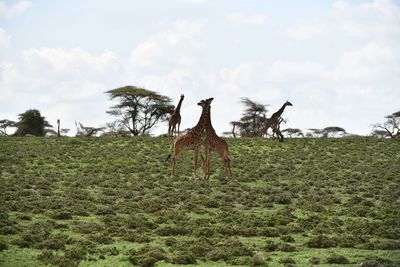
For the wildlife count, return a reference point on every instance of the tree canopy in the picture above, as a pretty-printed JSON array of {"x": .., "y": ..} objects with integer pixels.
[
  {"x": 139, "y": 109},
  {"x": 31, "y": 122},
  {"x": 389, "y": 128},
  {"x": 253, "y": 118}
]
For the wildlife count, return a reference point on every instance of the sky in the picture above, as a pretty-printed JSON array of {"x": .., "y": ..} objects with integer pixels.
[{"x": 337, "y": 62}]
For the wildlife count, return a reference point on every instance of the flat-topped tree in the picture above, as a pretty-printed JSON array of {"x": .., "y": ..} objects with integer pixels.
[
  {"x": 139, "y": 109},
  {"x": 389, "y": 128}
]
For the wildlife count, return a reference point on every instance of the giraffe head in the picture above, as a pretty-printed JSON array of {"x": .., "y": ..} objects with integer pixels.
[
  {"x": 288, "y": 103},
  {"x": 206, "y": 103},
  {"x": 182, "y": 96}
]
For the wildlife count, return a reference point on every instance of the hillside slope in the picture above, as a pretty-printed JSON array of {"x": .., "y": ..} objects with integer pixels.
[{"x": 97, "y": 202}]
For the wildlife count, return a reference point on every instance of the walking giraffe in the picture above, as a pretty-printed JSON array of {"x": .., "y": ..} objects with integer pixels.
[
  {"x": 193, "y": 139},
  {"x": 175, "y": 118},
  {"x": 216, "y": 143},
  {"x": 275, "y": 120}
]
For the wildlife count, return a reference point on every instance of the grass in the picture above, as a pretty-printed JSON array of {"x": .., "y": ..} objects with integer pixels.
[{"x": 110, "y": 202}]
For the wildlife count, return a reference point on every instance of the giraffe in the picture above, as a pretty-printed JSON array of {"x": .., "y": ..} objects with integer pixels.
[
  {"x": 216, "y": 143},
  {"x": 275, "y": 121},
  {"x": 175, "y": 118},
  {"x": 193, "y": 139}
]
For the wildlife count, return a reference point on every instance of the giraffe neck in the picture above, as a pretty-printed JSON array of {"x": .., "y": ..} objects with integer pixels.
[
  {"x": 178, "y": 107},
  {"x": 208, "y": 123},
  {"x": 201, "y": 124},
  {"x": 279, "y": 112}
]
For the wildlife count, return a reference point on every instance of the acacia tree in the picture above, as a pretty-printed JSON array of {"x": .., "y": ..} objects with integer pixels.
[
  {"x": 31, "y": 122},
  {"x": 87, "y": 131},
  {"x": 390, "y": 128},
  {"x": 139, "y": 109},
  {"x": 292, "y": 132},
  {"x": 253, "y": 118},
  {"x": 334, "y": 131}
]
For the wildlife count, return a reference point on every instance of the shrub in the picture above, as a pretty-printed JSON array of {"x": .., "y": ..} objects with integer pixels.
[
  {"x": 314, "y": 261},
  {"x": 25, "y": 217},
  {"x": 3, "y": 246},
  {"x": 287, "y": 238},
  {"x": 170, "y": 241},
  {"x": 136, "y": 237},
  {"x": 147, "y": 256},
  {"x": 257, "y": 260},
  {"x": 61, "y": 215},
  {"x": 337, "y": 259},
  {"x": 270, "y": 246},
  {"x": 320, "y": 241},
  {"x": 184, "y": 258},
  {"x": 285, "y": 247},
  {"x": 287, "y": 261}
]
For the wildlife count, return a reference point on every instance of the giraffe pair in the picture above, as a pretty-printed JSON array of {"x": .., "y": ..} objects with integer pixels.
[{"x": 203, "y": 134}]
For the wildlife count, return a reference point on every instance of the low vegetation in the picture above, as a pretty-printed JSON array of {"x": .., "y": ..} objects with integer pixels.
[{"x": 110, "y": 202}]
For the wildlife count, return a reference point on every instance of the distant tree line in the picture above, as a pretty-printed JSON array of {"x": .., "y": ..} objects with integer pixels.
[{"x": 138, "y": 110}]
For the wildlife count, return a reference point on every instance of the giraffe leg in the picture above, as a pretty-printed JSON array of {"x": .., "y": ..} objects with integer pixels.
[
  {"x": 179, "y": 125},
  {"x": 174, "y": 129},
  {"x": 203, "y": 165},
  {"x": 177, "y": 151},
  {"x": 280, "y": 135},
  {"x": 169, "y": 128},
  {"x": 208, "y": 163},
  {"x": 196, "y": 159}
]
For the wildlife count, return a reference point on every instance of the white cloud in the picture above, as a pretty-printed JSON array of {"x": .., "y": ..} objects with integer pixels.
[
  {"x": 373, "y": 62},
  {"x": 246, "y": 20},
  {"x": 9, "y": 11},
  {"x": 75, "y": 63},
  {"x": 306, "y": 29},
  {"x": 378, "y": 19},
  {"x": 177, "y": 47},
  {"x": 4, "y": 38}
]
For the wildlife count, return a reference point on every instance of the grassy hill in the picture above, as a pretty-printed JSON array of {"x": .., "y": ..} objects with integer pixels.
[{"x": 111, "y": 202}]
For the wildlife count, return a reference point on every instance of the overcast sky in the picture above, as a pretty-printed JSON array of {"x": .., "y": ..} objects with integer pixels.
[{"x": 338, "y": 62}]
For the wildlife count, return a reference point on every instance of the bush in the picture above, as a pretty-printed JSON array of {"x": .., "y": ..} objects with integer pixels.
[
  {"x": 314, "y": 261},
  {"x": 136, "y": 237},
  {"x": 147, "y": 256},
  {"x": 184, "y": 258},
  {"x": 285, "y": 247},
  {"x": 270, "y": 246},
  {"x": 287, "y": 238},
  {"x": 287, "y": 261},
  {"x": 257, "y": 260},
  {"x": 337, "y": 259},
  {"x": 320, "y": 241},
  {"x": 3, "y": 246},
  {"x": 101, "y": 239},
  {"x": 61, "y": 215}
]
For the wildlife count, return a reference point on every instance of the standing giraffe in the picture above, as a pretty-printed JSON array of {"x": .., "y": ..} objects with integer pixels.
[
  {"x": 216, "y": 143},
  {"x": 193, "y": 139},
  {"x": 275, "y": 120},
  {"x": 175, "y": 118}
]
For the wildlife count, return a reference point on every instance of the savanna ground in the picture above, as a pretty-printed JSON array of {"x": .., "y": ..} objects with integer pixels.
[{"x": 110, "y": 202}]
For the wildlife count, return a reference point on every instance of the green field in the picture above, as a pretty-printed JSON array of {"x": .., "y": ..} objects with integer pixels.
[{"x": 111, "y": 202}]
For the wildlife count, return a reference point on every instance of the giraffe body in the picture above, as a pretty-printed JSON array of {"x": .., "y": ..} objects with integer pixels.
[{"x": 175, "y": 119}]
